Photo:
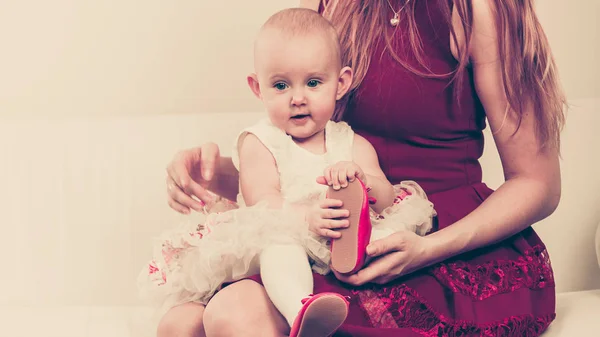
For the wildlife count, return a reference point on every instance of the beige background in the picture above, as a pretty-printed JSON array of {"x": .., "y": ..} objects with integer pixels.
[
  {"x": 96, "y": 97},
  {"x": 156, "y": 57}
]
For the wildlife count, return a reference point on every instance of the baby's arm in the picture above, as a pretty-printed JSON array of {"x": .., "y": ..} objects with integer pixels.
[
  {"x": 259, "y": 178},
  {"x": 366, "y": 158}
]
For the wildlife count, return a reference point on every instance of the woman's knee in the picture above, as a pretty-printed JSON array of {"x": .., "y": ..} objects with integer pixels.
[
  {"x": 185, "y": 320},
  {"x": 243, "y": 309}
]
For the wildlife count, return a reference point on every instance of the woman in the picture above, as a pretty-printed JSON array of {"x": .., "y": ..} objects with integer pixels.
[{"x": 428, "y": 73}]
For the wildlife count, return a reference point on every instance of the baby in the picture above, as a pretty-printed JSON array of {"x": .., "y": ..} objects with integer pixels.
[{"x": 305, "y": 181}]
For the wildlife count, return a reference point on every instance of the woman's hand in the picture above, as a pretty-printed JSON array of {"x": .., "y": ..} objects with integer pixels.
[
  {"x": 396, "y": 255},
  {"x": 189, "y": 175}
]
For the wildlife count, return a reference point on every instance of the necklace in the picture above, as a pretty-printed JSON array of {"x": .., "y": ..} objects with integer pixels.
[{"x": 396, "y": 19}]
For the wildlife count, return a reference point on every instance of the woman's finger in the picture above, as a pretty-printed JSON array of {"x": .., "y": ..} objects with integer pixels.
[
  {"x": 176, "y": 170},
  {"x": 352, "y": 279},
  {"x": 179, "y": 170},
  {"x": 384, "y": 279},
  {"x": 209, "y": 157},
  {"x": 375, "y": 269},
  {"x": 386, "y": 245},
  {"x": 178, "y": 207},
  {"x": 177, "y": 195},
  {"x": 192, "y": 188}
]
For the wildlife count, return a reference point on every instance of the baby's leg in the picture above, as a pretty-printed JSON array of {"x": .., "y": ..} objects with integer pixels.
[{"x": 287, "y": 278}]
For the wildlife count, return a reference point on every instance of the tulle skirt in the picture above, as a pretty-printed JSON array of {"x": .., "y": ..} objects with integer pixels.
[{"x": 192, "y": 261}]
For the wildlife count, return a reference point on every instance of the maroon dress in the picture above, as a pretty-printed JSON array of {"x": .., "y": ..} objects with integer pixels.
[{"x": 422, "y": 134}]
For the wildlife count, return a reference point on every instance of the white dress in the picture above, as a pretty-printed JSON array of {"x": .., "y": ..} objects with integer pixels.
[{"x": 192, "y": 261}]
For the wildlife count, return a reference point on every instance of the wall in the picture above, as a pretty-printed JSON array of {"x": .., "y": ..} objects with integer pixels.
[
  {"x": 128, "y": 57},
  {"x": 96, "y": 97},
  {"x": 154, "y": 57}
]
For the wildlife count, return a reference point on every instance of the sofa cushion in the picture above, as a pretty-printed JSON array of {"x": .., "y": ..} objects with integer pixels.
[{"x": 576, "y": 314}]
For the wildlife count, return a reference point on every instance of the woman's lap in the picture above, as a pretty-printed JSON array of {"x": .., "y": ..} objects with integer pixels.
[
  {"x": 499, "y": 297},
  {"x": 503, "y": 293},
  {"x": 506, "y": 289},
  {"x": 243, "y": 308}
]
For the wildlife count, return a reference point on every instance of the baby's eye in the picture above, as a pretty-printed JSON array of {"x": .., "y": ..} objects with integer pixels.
[
  {"x": 280, "y": 86},
  {"x": 313, "y": 83}
]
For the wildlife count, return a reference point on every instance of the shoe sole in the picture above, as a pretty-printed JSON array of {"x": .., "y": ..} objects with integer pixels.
[
  {"x": 323, "y": 317},
  {"x": 345, "y": 255}
]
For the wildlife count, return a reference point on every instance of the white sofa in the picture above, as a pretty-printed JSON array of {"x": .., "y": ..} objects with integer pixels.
[{"x": 82, "y": 198}]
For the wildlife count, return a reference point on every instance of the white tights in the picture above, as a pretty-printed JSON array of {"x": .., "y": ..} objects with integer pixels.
[{"x": 287, "y": 276}]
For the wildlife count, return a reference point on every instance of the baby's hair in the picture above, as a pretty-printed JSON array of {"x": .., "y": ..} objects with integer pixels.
[{"x": 302, "y": 22}]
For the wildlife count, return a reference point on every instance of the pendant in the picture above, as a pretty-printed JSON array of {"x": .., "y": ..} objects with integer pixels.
[{"x": 395, "y": 20}]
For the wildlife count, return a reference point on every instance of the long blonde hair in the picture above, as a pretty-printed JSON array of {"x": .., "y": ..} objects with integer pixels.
[{"x": 528, "y": 68}]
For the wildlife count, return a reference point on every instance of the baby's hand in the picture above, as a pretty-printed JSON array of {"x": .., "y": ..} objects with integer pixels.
[
  {"x": 339, "y": 174},
  {"x": 323, "y": 219}
]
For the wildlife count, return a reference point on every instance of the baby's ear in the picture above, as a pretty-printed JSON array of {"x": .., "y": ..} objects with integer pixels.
[
  {"x": 344, "y": 82},
  {"x": 254, "y": 86}
]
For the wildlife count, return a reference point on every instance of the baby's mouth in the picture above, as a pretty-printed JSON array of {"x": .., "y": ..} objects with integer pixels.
[{"x": 300, "y": 116}]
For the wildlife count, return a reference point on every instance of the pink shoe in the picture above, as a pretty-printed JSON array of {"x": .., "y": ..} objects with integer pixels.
[
  {"x": 348, "y": 252},
  {"x": 321, "y": 315}
]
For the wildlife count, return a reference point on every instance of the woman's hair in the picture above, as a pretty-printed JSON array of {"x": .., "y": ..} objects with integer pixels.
[{"x": 528, "y": 69}]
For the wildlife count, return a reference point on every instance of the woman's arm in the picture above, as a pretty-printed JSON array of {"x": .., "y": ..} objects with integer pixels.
[
  {"x": 530, "y": 193},
  {"x": 532, "y": 185}
]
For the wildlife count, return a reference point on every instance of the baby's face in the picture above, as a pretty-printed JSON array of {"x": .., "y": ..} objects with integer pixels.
[{"x": 299, "y": 80}]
